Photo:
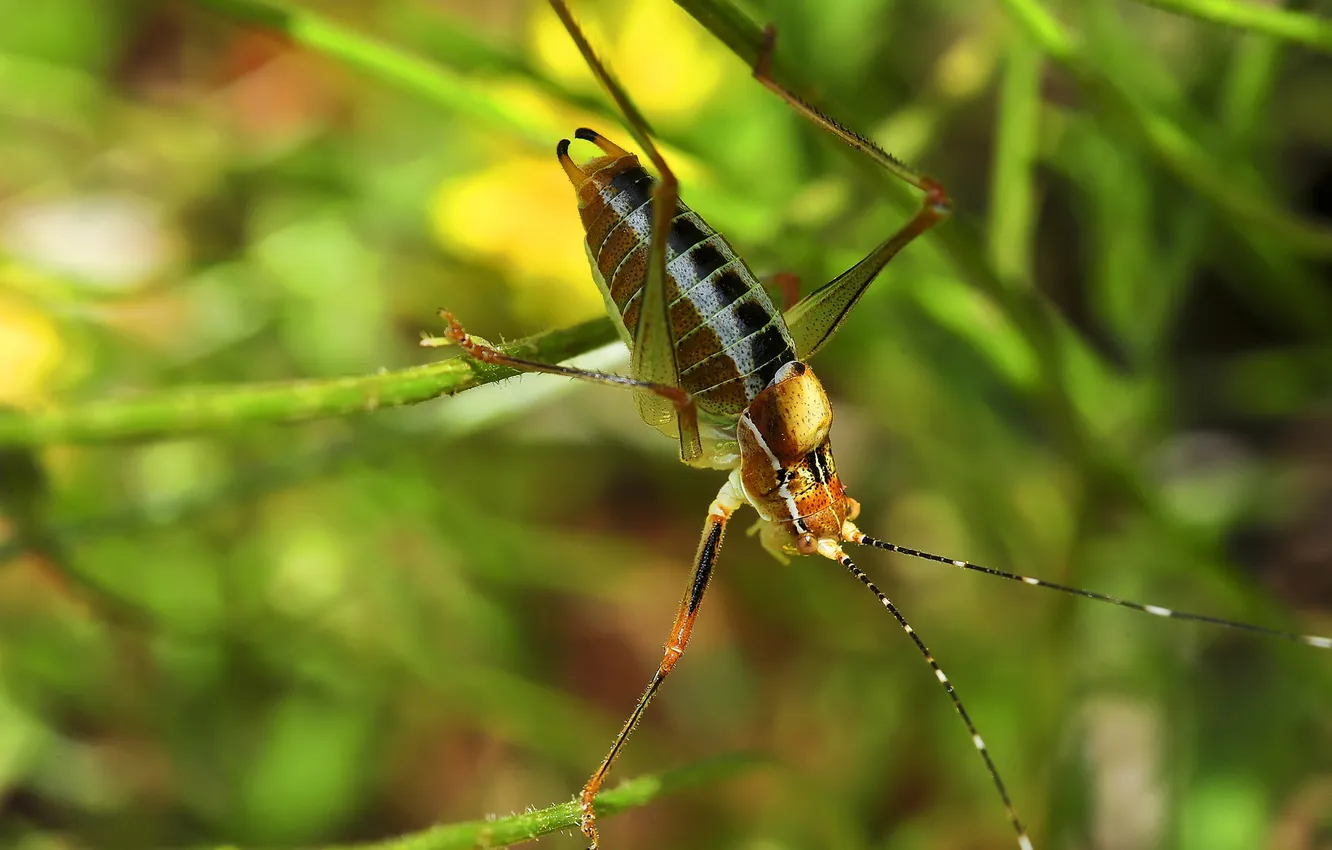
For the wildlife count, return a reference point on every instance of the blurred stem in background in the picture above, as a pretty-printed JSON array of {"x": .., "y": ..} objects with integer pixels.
[{"x": 1100, "y": 372}]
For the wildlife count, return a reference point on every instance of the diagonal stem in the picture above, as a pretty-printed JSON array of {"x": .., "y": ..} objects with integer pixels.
[
  {"x": 213, "y": 408},
  {"x": 1268, "y": 19},
  {"x": 502, "y": 832}
]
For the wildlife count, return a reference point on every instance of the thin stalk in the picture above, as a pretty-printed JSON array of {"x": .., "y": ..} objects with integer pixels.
[
  {"x": 1250, "y": 76},
  {"x": 1012, "y": 190},
  {"x": 1309, "y": 30},
  {"x": 502, "y": 832},
  {"x": 1226, "y": 184},
  {"x": 211, "y": 408}
]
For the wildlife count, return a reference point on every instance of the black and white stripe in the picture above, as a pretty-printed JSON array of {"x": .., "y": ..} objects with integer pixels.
[
  {"x": 1155, "y": 610},
  {"x": 818, "y": 464},
  {"x": 841, "y": 557},
  {"x": 705, "y": 271},
  {"x": 633, "y": 190},
  {"x": 763, "y": 339}
]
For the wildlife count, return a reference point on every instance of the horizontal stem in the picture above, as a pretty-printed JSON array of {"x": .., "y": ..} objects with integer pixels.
[
  {"x": 209, "y": 408},
  {"x": 501, "y": 832}
]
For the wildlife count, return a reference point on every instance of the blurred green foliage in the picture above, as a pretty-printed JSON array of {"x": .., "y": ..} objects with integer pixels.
[{"x": 1112, "y": 369}]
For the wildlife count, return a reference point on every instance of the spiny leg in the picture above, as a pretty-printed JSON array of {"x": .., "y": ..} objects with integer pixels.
[
  {"x": 857, "y": 536},
  {"x": 818, "y": 316},
  {"x": 763, "y": 73},
  {"x": 728, "y": 501},
  {"x": 654, "y": 356},
  {"x": 832, "y": 551},
  {"x": 478, "y": 350}
]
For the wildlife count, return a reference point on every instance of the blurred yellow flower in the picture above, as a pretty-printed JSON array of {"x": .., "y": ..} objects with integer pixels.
[
  {"x": 30, "y": 348},
  {"x": 521, "y": 215},
  {"x": 667, "y": 64},
  {"x": 966, "y": 67}
]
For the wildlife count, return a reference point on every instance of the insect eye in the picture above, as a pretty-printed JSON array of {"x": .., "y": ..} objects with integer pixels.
[{"x": 806, "y": 544}]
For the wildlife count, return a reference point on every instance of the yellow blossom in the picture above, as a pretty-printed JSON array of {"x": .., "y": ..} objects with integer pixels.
[
  {"x": 521, "y": 215},
  {"x": 29, "y": 351}
]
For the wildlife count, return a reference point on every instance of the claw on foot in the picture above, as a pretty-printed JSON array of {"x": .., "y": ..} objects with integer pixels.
[
  {"x": 455, "y": 334},
  {"x": 589, "y": 823}
]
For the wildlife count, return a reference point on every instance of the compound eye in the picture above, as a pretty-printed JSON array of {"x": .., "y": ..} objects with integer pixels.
[{"x": 806, "y": 544}]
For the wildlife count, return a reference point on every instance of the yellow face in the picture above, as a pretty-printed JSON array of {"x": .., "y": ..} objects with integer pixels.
[{"x": 786, "y": 463}]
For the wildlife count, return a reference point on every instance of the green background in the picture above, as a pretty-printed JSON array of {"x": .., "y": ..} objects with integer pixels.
[{"x": 1112, "y": 369}]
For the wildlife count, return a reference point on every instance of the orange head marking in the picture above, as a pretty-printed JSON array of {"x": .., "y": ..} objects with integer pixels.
[{"x": 786, "y": 462}]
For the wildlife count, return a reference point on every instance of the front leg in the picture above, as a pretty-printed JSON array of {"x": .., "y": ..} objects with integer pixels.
[
  {"x": 727, "y": 502},
  {"x": 481, "y": 351}
]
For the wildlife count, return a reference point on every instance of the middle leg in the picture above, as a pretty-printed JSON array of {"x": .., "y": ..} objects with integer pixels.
[
  {"x": 479, "y": 350},
  {"x": 728, "y": 501}
]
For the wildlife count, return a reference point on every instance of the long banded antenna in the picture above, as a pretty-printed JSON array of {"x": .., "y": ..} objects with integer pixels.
[
  {"x": 1155, "y": 610},
  {"x": 835, "y": 553}
]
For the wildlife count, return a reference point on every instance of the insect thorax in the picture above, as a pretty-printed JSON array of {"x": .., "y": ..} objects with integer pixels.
[{"x": 786, "y": 463}]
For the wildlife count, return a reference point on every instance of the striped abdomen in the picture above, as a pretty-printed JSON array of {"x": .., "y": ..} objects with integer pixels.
[{"x": 730, "y": 339}]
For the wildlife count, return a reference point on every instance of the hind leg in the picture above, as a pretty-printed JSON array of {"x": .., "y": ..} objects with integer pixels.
[{"x": 816, "y": 319}]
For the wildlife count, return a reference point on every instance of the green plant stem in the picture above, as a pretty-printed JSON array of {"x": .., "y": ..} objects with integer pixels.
[
  {"x": 1107, "y": 471},
  {"x": 209, "y": 408},
  {"x": 1012, "y": 190},
  {"x": 396, "y": 67},
  {"x": 1309, "y": 30},
  {"x": 1236, "y": 194},
  {"x": 502, "y": 832},
  {"x": 1251, "y": 74}
]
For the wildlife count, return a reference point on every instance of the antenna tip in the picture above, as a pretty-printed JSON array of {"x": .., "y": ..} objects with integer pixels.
[
  {"x": 586, "y": 134},
  {"x": 562, "y": 149}
]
